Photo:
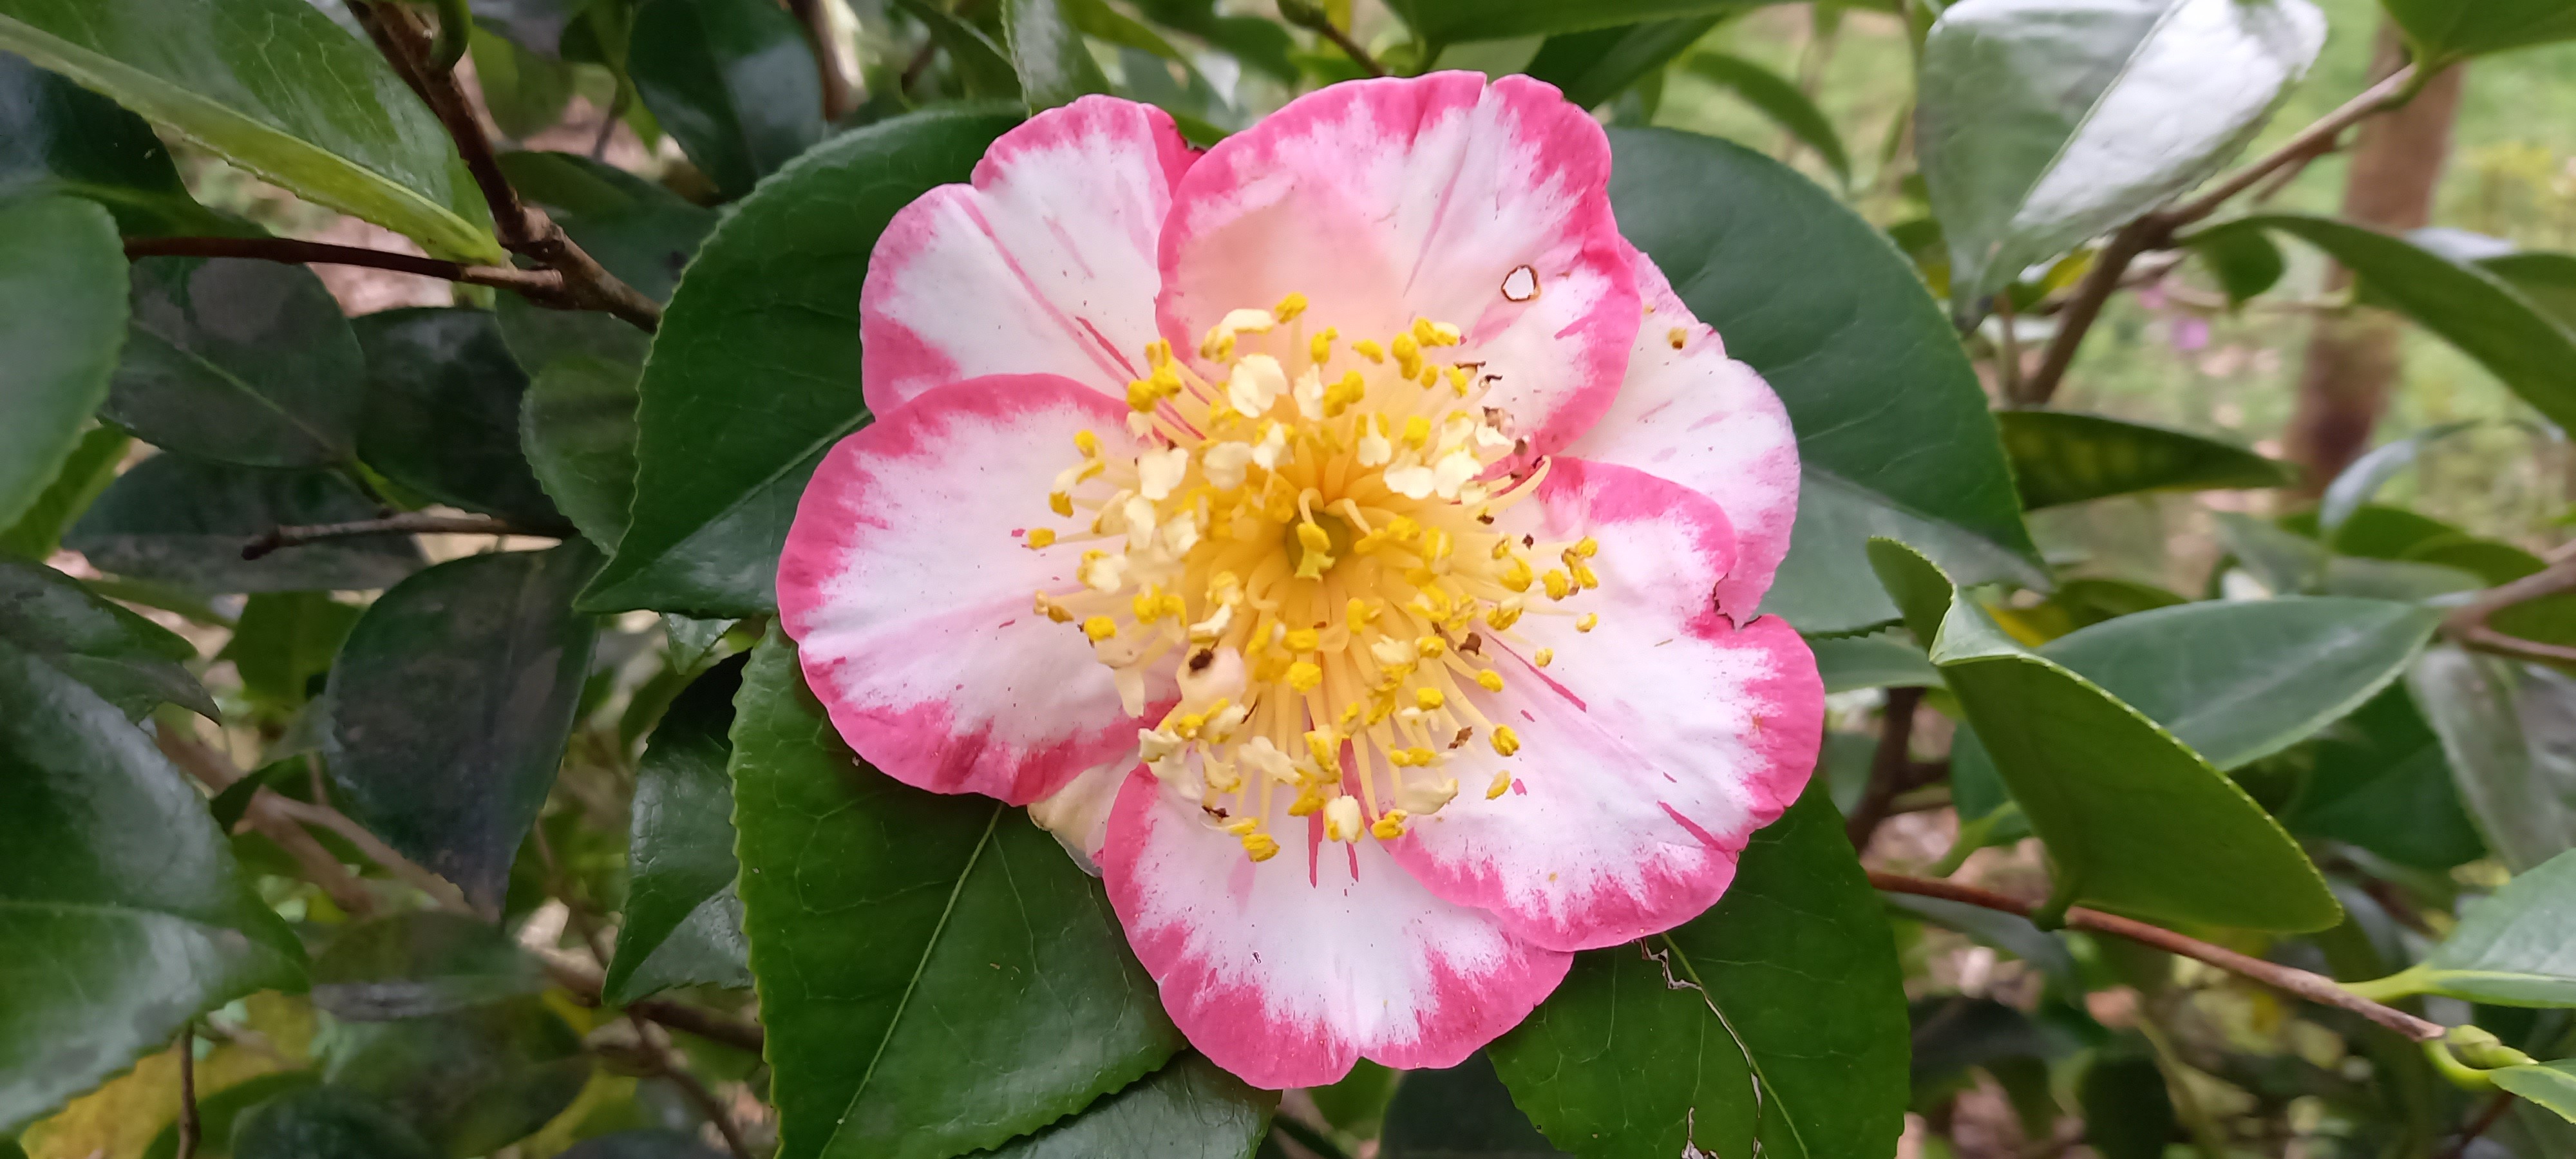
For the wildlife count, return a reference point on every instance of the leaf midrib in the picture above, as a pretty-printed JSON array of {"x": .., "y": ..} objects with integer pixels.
[{"x": 225, "y": 376}]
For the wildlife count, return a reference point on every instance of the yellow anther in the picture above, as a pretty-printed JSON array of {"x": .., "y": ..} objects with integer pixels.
[
  {"x": 1587, "y": 621},
  {"x": 1443, "y": 334},
  {"x": 1243, "y": 826},
  {"x": 1585, "y": 577},
  {"x": 1289, "y": 307},
  {"x": 1060, "y": 503},
  {"x": 1436, "y": 545},
  {"x": 1559, "y": 585},
  {"x": 1304, "y": 675},
  {"x": 1506, "y": 742},
  {"x": 1405, "y": 348},
  {"x": 1504, "y": 615},
  {"x": 1325, "y": 746},
  {"x": 1502, "y": 784},
  {"x": 1309, "y": 799},
  {"x": 1417, "y": 432},
  {"x": 1350, "y": 715},
  {"x": 1517, "y": 577},
  {"x": 1389, "y": 826},
  {"x": 1502, "y": 548},
  {"x": 1320, "y": 347},
  {"x": 1369, "y": 349},
  {"x": 1428, "y": 699},
  {"x": 1490, "y": 680},
  {"x": 1041, "y": 537},
  {"x": 1429, "y": 647},
  {"x": 1099, "y": 628},
  {"x": 1543, "y": 657},
  {"x": 1261, "y": 846},
  {"x": 1344, "y": 394},
  {"x": 1586, "y": 547},
  {"x": 1459, "y": 379},
  {"x": 1148, "y": 606},
  {"x": 1313, "y": 537},
  {"x": 1304, "y": 640},
  {"x": 1360, "y": 612},
  {"x": 1142, "y": 394},
  {"x": 1087, "y": 443},
  {"x": 1049, "y": 607},
  {"x": 1429, "y": 377},
  {"x": 1188, "y": 727}
]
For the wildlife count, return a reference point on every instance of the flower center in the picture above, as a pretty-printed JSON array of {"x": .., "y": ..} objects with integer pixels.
[{"x": 1311, "y": 537}]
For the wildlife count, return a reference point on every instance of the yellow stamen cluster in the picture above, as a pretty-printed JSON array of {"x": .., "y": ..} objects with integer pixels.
[{"x": 1309, "y": 543}]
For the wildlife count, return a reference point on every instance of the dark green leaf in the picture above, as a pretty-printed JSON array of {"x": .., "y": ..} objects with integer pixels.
[
  {"x": 1461, "y": 1112},
  {"x": 276, "y": 88},
  {"x": 184, "y": 522},
  {"x": 1893, "y": 432},
  {"x": 442, "y": 412},
  {"x": 1594, "y": 67},
  {"x": 579, "y": 434},
  {"x": 325, "y": 1122},
  {"x": 2552, "y": 1084},
  {"x": 640, "y": 231},
  {"x": 2238, "y": 680},
  {"x": 285, "y": 639},
  {"x": 131, "y": 661},
  {"x": 537, "y": 25},
  {"x": 2446, "y": 30},
  {"x": 525, "y": 92},
  {"x": 1190, "y": 1109},
  {"x": 2465, "y": 305},
  {"x": 1460, "y": 21},
  {"x": 2512, "y": 949},
  {"x": 1777, "y": 1016},
  {"x": 62, "y": 316},
  {"x": 417, "y": 964},
  {"x": 982, "y": 68},
  {"x": 450, "y": 705},
  {"x": 57, "y": 137},
  {"x": 1879, "y": 660},
  {"x": 217, "y": 1113},
  {"x": 1262, "y": 44},
  {"x": 1956, "y": 1032},
  {"x": 2116, "y": 798},
  {"x": 2063, "y": 457},
  {"x": 2009, "y": 932},
  {"x": 469, "y": 1082},
  {"x": 1357, "y": 1104},
  {"x": 2547, "y": 279},
  {"x": 650, "y": 1143},
  {"x": 2245, "y": 262},
  {"x": 770, "y": 309},
  {"x": 2128, "y": 1113},
  {"x": 2379, "y": 781},
  {"x": 2509, "y": 732},
  {"x": 86, "y": 472},
  {"x": 239, "y": 361},
  {"x": 1777, "y": 99},
  {"x": 2030, "y": 115},
  {"x": 111, "y": 876},
  {"x": 1047, "y": 51},
  {"x": 935, "y": 973},
  {"x": 733, "y": 80},
  {"x": 683, "y": 918}
]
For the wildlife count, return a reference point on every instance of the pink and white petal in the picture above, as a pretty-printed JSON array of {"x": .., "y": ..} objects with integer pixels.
[
  {"x": 908, "y": 589},
  {"x": 1651, "y": 747},
  {"x": 1286, "y": 971},
  {"x": 1387, "y": 200},
  {"x": 1688, "y": 413},
  {"x": 1078, "y": 813},
  {"x": 1044, "y": 264}
]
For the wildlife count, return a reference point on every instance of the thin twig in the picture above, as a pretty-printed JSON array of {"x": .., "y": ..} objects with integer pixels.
[
  {"x": 1311, "y": 16},
  {"x": 2487, "y": 1117},
  {"x": 405, "y": 523},
  {"x": 2468, "y": 626},
  {"x": 544, "y": 286},
  {"x": 657, "y": 1048},
  {"x": 189, "y": 1129},
  {"x": 2073, "y": 322},
  {"x": 2315, "y": 988},
  {"x": 583, "y": 980},
  {"x": 827, "y": 63},
  {"x": 319, "y": 867},
  {"x": 441, "y": 891},
  {"x": 2316, "y": 138},
  {"x": 1887, "y": 767}
]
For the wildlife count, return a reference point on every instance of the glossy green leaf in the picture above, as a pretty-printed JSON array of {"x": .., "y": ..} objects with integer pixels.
[
  {"x": 1190, "y": 1109},
  {"x": 733, "y": 80},
  {"x": 275, "y": 87},
  {"x": 1777, "y": 1016},
  {"x": 2238, "y": 680},
  {"x": 2482, "y": 314},
  {"x": 1047, "y": 51},
  {"x": 1894, "y": 434},
  {"x": 1595, "y": 66},
  {"x": 324, "y": 1122},
  {"x": 2509, "y": 732},
  {"x": 285, "y": 639},
  {"x": 2112, "y": 794},
  {"x": 2379, "y": 780},
  {"x": 537, "y": 25},
  {"x": 1459, "y": 21},
  {"x": 2547, "y": 279},
  {"x": 62, "y": 317},
  {"x": 647, "y": 1143},
  {"x": 936, "y": 974},
  {"x": 57, "y": 137},
  {"x": 578, "y": 432},
  {"x": 2245, "y": 262},
  {"x": 2009, "y": 932},
  {"x": 2061, "y": 457},
  {"x": 1459, "y": 1112},
  {"x": 982, "y": 68},
  {"x": 640, "y": 231},
  {"x": 1776, "y": 97},
  {"x": 180, "y": 521},
  {"x": 683, "y": 918},
  {"x": 418, "y": 964},
  {"x": 111, "y": 874},
  {"x": 1262, "y": 44},
  {"x": 2447, "y": 30},
  {"x": 2361, "y": 481},
  {"x": 85, "y": 472},
  {"x": 525, "y": 92},
  {"x": 238, "y": 361},
  {"x": 1357, "y": 1102},
  {"x": 769, "y": 310},
  {"x": 2513, "y": 949},
  {"x": 2034, "y": 119},
  {"x": 218, "y": 1113},
  {"x": 442, "y": 412},
  {"x": 2128, "y": 1111},
  {"x": 1878, "y": 660},
  {"x": 2550, "y": 1084},
  {"x": 470, "y": 1081},
  {"x": 132, "y": 662},
  {"x": 450, "y": 705}
]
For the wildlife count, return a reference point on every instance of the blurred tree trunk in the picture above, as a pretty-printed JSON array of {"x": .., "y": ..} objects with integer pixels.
[{"x": 2352, "y": 360}]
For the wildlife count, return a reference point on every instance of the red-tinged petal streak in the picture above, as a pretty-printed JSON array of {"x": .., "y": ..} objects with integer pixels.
[
  {"x": 1438, "y": 196},
  {"x": 1653, "y": 745},
  {"x": 1688, "y": 413},
  {"x": 1285, "y": 971},
  {"x": 909, "y": 595},
  {"x": 1045, "y": 264}
]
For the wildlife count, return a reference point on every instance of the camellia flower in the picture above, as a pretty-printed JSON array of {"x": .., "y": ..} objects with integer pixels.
[{"x": 1343, "y": 538}]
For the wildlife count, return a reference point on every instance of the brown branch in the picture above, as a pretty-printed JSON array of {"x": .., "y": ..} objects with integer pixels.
[
  {"x": 405, "y": 523},
  {"x": 2487, "y": 1117},
  {"x": 827, "y": 63},
  {"x": 584, "y": 981},
  {"x": 543, "y": 286},
  {"x": 657, "y": 1049},
  {"x": 317, "y": 864},
  {"x": 189, "y": 1129},
  {"x": 2155, "y": 230},
  {"x": 1887, "y": 767},
  {"x": 1311, "y": 16},
  {"x": 2469, "y": 628},
  {"x": 2315, "y": 988}
]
